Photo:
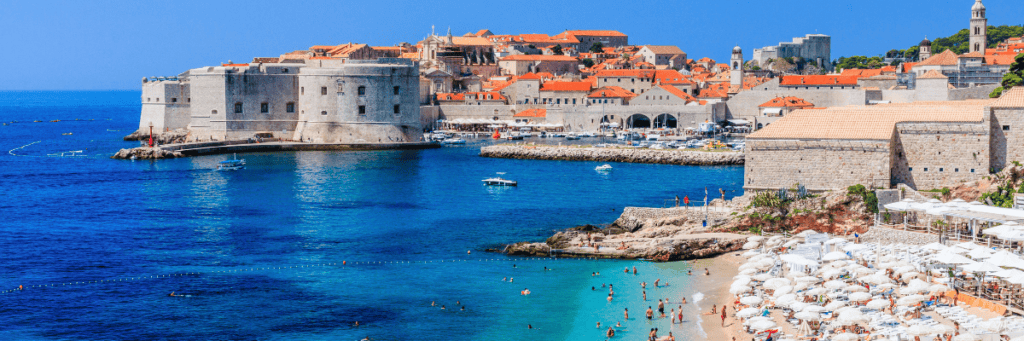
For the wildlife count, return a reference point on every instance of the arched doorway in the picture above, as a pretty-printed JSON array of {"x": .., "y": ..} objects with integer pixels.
[
  {"x": 638, "y": 121},
  {"x": 665, "y": 121}
]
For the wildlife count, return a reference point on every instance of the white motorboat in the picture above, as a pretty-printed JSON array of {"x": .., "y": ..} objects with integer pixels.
[
  {"x": 498, "y": 181},
  {"x": 572, "y": 136},
  {"x": 235, "y": 164},
  {"x": 453, "y": 140},
  {"x": 604, "y": 167}
]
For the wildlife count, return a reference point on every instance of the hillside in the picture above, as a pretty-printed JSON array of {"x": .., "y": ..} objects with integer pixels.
[{"x": 958, "y": 43}]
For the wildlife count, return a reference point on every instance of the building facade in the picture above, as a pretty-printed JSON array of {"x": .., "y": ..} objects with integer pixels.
[{"x": 812, "y": 47}]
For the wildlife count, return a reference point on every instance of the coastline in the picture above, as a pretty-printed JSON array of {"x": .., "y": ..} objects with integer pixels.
[
  {"x": 629, "y": 155},
  {"x": 723, "y": 268}
]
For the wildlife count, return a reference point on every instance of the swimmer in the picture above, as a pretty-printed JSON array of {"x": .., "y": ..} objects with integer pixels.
[
  {"x": 609, "y": 297},
  {"x": 645, "y": 295},
  {"x": 650, "y": 313},
  {"x": 432, "y": 304},
  {"x": 504, "y": 279},
  {"x": 463, "y": 308},
  {"x": 458, "y": 303},
  {"x": 627, "y": 270},
  {"x": 171, "y": 294},
  {"x": 598, "y": 324},
  {"x": 593, "y": 288},
  {"x": 545, "y": 268},
  {"x": 643, "y": 285},
  {"x": 688, "y": 272},
  {"x": 634, "y": 271},
  {"x": 513, "y": 265},
  {"x": 618, "y": 324},
  {"x": 598, "y": 273},
  {"x": 511, "y": 279},
  {"x": 611, "y": 332},
  {"x": 656, "y": 282},
  {"x": 529, "y": 326},
  {"x": 706, "y": 272},
  {"x": 672, "y": 313},
  {"x": 684, "y": 300},
  {"x": 627, "y": 314},
  {"x": 356, "y": 324},
  {"x": 443, "y": 307}
]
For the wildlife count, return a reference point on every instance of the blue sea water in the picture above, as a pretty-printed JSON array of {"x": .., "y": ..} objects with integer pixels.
[{"x": 256, "y": 240}]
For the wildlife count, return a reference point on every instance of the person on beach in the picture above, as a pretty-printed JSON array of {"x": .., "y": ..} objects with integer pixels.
[
  {"x": 643, "y": 285},
  {"x": 680, "y": 314},
  {"x": 706, "y": 272},
  {"x": 684, "y": 299},
  {"x": 598, "y": 324},
  {"x": 714, "y": 309},
  {"x": 650, "y": 313},
  {"x": 689, "y": 272},
  {"x": 672, "y": 313},
  {"x": 627, "y": 270},
  {"x": 645, "y": 295},
  {"x": 723, "y": 317},
  {"x": 634, "y": 270},
  {"x": 510, "y": 279},
  {"x": 670, "y": 337},
  {"x": 432, "y": 304},
  {"x": 529, "y": 326},
  {"x": 609, "y": 297},
  {"x": 443, "y": 307}
]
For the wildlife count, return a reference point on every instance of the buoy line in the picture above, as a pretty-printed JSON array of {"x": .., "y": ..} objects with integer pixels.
[
  {"x": 343, "y": 264},
  {"x": 12, "y": 150}
]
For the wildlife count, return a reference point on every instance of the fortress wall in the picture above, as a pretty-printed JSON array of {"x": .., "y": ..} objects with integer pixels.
[
  {"x": 935, "y": 155},
  {"x": 816, "y": 164}
]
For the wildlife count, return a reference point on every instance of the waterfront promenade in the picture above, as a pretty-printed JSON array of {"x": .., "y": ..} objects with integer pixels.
[{"x": 613, "y": 154}]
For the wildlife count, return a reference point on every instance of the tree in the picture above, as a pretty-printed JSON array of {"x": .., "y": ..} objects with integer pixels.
[
  {"x": 1012, "y": 78},
  {"x": 588, "y": 62},
  {"x": 556, "y": 50},
  {"x": 597, "y": 47}
]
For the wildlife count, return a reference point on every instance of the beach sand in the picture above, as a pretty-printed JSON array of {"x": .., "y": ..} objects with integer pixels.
[{"x": 723, "y": 268}]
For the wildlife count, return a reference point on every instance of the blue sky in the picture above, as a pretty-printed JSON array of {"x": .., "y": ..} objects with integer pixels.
[{"x": 101, "y": 45}]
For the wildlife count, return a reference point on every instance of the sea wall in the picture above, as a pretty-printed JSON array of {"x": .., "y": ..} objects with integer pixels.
[{"x": 665, "y": 156}]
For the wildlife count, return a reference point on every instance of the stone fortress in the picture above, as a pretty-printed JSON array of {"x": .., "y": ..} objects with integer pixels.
[
  {"x": 812, "y": 47},
  {"x": 316, "y": 100}
]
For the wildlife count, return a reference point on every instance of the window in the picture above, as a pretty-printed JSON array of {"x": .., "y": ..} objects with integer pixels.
[
  {"x": 926, "y": 169},
  {"x": 213, "y": 112},
  {"x": 397, "y": 92},
  {"x": 956, "y": 170},
  {"x": 398, "y": 109},
  {"x": 290, "y": 107},
  {"x": 174, "y": 100},
  {"x": 362, "y": 91},
  {"x": 264, "y": 107},
  {"x": 362, "y": 110},
  {"x": 323, "y": 113},
  {"x": 1006, "y": 128},
  {"x": 284, "y": 70},
  {"x": 158, "y": 99},
  {"x": 238, "y": 108},
  {"x": 940, "y": 169},
  {"x": 302, "y": 90},
  {"x": 972, "y": 170},
  {"x": 189, "y": 100},
  {"x": 911, "y": 169},
  {"x": 323, "y": 90}
]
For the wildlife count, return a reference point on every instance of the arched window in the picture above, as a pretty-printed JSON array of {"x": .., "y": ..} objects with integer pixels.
[{"x": 977, "y": 30}]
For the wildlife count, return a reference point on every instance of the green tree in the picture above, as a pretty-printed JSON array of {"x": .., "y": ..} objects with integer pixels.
[
  {"x": 557, "y": 49},
  {"x": 597, "y": 47},
  {"x": 588, "y": 62},
  {"x": 1012, "y": 78}
]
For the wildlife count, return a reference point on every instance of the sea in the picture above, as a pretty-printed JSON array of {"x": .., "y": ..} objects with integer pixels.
[{"x": 302, "y": 245}]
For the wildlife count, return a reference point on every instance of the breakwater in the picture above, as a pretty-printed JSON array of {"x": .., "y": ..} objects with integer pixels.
[
  {"x": 227, "y": 147},
  {"x": 569, "y": 153}
]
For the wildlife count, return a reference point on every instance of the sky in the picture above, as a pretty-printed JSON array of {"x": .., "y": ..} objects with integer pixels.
[{"x": 111, "y": 45}]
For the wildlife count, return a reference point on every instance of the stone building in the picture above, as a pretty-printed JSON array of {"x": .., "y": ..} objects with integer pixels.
[
  {"x": 587, "y": 38},
  {"x": 812, "y": 47},
  {"x": 923, "y": 144},
  {"x": 672, "y": 56},
  {"x": 522, "y": 64},
  {"x": 324, "y": 100}
]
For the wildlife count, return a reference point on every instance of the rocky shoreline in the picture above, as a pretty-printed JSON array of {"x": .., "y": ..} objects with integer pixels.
[
  {"x": 662, "y": 156},
  {"x": 145, "y": 153},
  {"x": 168, "y": 137},
  {"x": 657, "y": 234}
]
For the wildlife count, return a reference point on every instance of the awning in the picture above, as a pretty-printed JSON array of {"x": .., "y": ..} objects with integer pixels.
[
  {"x": 739, "y": 122},
  {"x": 777, "y": 111}
]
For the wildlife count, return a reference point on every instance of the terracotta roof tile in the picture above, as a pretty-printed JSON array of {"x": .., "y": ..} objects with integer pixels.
[
  {"x": 932, "y": 74},
  {"x": 678, "y": 93},
  {"x": 665, "y": 49},
  {"x": 530, "y": 75},
  {"x": 566, "y": 86},
  {"x": 819, "y": 80},
  {"x": 1012, "y": 98},
  {"x": 947, "y": 57},
  {"x": 611, "y": 92},
  {"x": 786, "y": 102},
  {"x": 602, "y": 33},
  {"x": 538, "y": 57},
  {"x": 532, "y": 113}
]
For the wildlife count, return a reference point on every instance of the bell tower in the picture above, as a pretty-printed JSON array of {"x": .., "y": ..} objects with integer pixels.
[
  {"x": 736, "y": 67},
  {"x": 925, "y": 49},
  {"x": 979, "y": 26}
]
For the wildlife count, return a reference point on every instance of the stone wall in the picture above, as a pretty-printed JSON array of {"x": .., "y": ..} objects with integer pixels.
[
  {"x": 935, "y": 155},
  {"x": 977, "y": 92},
  {"x": 745, "y": 104},
  {"x": 1007, "y": 136},
  {"x": 817, "y": 164},
  {"x": 885, "y": 236},
  {"x": 666, "y": 156},
  {"x": 165, "y": 104}
]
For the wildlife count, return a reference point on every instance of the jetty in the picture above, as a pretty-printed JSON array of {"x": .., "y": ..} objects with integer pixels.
[
  {"x": 610, "y": 154},
  {"x": 249, "y": 146}
]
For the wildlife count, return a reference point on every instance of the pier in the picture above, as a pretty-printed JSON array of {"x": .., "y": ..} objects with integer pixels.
[
  {"x": 246, "y": 146},
  {"x": 632, "y": 155}
]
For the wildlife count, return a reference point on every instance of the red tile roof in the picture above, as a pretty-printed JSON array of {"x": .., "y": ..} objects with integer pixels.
[
  {"x": 862, "y": 72},
  {"x": 602, "y": 33},
  {"x": 671, "y": 77},
  {"x": 678, "y": 93},
  {"x": 947, "y": 57},
  {"x": 611, "y": 92},
  {"x": 536, "y": 57},
  {"x": 532, "y": 113},
  {"x": 786, "y": 102},
  {"x": 566, "y": 86},
  {"x": 530, "y": 75},
  {"x": 626, "y": 73},
  {"x": 480, "y": 96},
  {"x": 818, "y": 80},
  {"x": 908, "y": 66},
  {"x": 234, "y": 65}
]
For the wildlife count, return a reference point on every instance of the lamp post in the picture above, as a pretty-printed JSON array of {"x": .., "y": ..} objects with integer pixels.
[{"x": 150, "y": 134}]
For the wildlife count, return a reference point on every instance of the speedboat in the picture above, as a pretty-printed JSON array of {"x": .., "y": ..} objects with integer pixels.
[
  {"x": 604, "y": 167},
  {"x": 235, "y": 164},
  {"x": 453, "y": 140},
  {"x": 572, "y": 136},
  {"x": 498, "y": 181},
  {"x": 657, "y": 146}
]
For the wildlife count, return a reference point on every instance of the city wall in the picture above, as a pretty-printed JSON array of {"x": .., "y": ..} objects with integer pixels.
[
  {"x": 817, "y": 164},
  {"x": 936, "y": 155}
]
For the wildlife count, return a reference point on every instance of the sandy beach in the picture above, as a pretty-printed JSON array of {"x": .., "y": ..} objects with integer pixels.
[{"x": 723, "y": 268}]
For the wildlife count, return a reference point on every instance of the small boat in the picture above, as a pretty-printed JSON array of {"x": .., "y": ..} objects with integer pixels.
[
  {"x": 572, "y": 136},
  {"x": 235, "y": 164},
  {"x": 657, "y": 146},
  {"x": 498, "y": 181},
  {"x": 453, "y": 140},
  {"x": 604, "y": 167},
  {"x": 557, "y": 134},
  {"x": 514, "y": 137}
]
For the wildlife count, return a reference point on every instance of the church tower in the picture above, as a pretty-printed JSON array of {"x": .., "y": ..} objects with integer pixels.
[
  {"x": 736, "y": 67},
  {"x": 979, "y": 26},
  {"x": 925, "y": 49}
]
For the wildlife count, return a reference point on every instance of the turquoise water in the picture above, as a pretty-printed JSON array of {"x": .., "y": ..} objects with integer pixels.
[{"x": 275, "y": 224}]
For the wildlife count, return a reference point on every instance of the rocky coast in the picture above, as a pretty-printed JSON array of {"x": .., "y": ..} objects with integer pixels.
[{"x": 633, "y": 155}]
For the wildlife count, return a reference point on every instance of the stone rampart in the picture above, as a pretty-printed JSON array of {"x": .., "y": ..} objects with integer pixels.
[
  {"x": 671, "y": 157},
  {"x": 817, "y": 164}
]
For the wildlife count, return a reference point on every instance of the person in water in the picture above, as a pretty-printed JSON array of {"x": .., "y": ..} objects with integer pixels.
[{"x": 611, "y": 332}]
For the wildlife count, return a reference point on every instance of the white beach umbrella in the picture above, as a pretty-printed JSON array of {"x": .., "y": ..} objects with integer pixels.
[
  {"x": 862, "y": 270},
  {"x": 915, "y": 286},
  {"x": 835, "y": 284},
  {"x": 852, "y": 317},
  {"x": 762, "y": 325},
  {"x": 1012, "y": 236},
  {"x": 838, "y": 264},
  {"x": 755, "y": 239},
  {"x": 832, "y": 273},
  {"x": 751, "y": 253},
  {"x": 1008, "y": 273},
  {"x": 801, "y": 286},
  {"x": 919, "y": 330},
  {"x": 910, "y": 275},
  {"x": 943, "y": 329},
  {"x": 854, "y": 247},
  {"x": 798, "y": 306},
  {"x": 846, "y": 337},
  {"x": 816, "y": 291},
  {"x": 808, "y": 279},
  {"x": 751, "y": 300},
  {"x": 878, "y": 304},
  {"x": 982, "y": 267},
  {"x": 904, "y": 269},
  {"x": 994, "y": 325},
  {"x": 751, "y": 245},
  {"x": 738, "y": 290},
  {"x": 775, "y": 283},
  {"x": 1006, "y": 259},
  {"x": 741, "y": 281},
  {"x": 748, "y": 272},
  {"x": 966, "y": 337},
  {"x": 814, "y": 308},
  {"x": 855, "y": 288},
  {"x": 835, "y": 305},
  {"x": 782, "y": 291},
  {"x": 762, "y": 277},
  {"x": 980, "y": 253},
  {"x": 885, "y": 286},
  {"x": 938, "y": 288},
  {"x": 911, "y": 300},
  {"x": 807, "y": 316},
  {"x": 876, "y": 279},
  {"x": 968, "y": 245},
  {"x": 947, "y": 257},
  {"x": 860, "y": 296},
  {"x": 748, "y": 312},
  {"x": 835, "y": 255},
  {"x": 934, "y": 247},
  {"x": 784, "y": 300},
  {"x": 803, "y": 329},
  {"x": 791, "y": 243}
]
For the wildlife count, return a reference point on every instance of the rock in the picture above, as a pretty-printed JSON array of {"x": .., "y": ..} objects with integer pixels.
[
  {"x": 168, "y": 137},
  {"x": 663, "y": 156},
  {"x": 528, "y": 249},
  {"x": 145, "y": 153}
]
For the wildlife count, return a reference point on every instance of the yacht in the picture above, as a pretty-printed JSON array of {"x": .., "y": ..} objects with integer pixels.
[
  {"x": 234, "y": 164},
  {"x": 604, "y": 167},
  {"x": 572, "y": 136},
  {"x": 453, "y": 140}
]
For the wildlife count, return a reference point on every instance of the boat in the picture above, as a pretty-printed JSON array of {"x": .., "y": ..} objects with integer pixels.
[
  {"x": 235, "y": 164},
  {"x": 514, "y": 137},
  {"x": 572, "y": 136},
  {"x": 657, "y": 146},
  {"x": 557, "y": 134},
  {"x": 453, "y": 140},
  {"x": 604, "y": 167},
  {"x": 498, "y": 181}
]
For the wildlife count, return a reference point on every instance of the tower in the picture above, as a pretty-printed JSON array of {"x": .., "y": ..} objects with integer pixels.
[
  {"x": 979, "y": 25},
  {"x": 925, "y": 49},
  {"x": 736, "y": 67}
]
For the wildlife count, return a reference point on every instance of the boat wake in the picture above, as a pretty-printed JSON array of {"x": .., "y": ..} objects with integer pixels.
[
  {"x": 697, "y": 297},
  {"x": 12, "y": 150}
]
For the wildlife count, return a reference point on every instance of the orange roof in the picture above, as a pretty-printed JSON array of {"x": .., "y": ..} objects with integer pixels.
[
  {"x": 410, "y": 55},
  {"x": 671, "y": 77},
  {"x": 1011, "y": 98},
  {"x": 932, "y": 74},
  {"x": 480, "y": 96},
  {"x": 1006, "y": 59},
  {"x": 536, "y": 57},
  {"x": 611, "y": 92},
  {"x": 862, "y": 72},
  {"x": 706, "y": 60},
  {"x": 566, "y": 86},
  {"x": 972, "y": 55},
  {"x": 665, "y": 49},
  {"x": 786, "y": 102},
  {"x": 908, "y": 66},
  {"x": 947, "y": 57},
  {"x": 546, "y": 39},
  {"x": 532, "y": 113},
  {"x": 530, "y": 75},
  {"x": 545, "y": 75},
  {"x": 234, "y": 65},
  {"x": 818, "y": 80},
  {"x": 603, "y": 33},
  {"x": 678, "y": 93},
  {"x": 888, "y": 68},
  {"x": 712, "y": 93},
  {"x": 626, "y": 73}
]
